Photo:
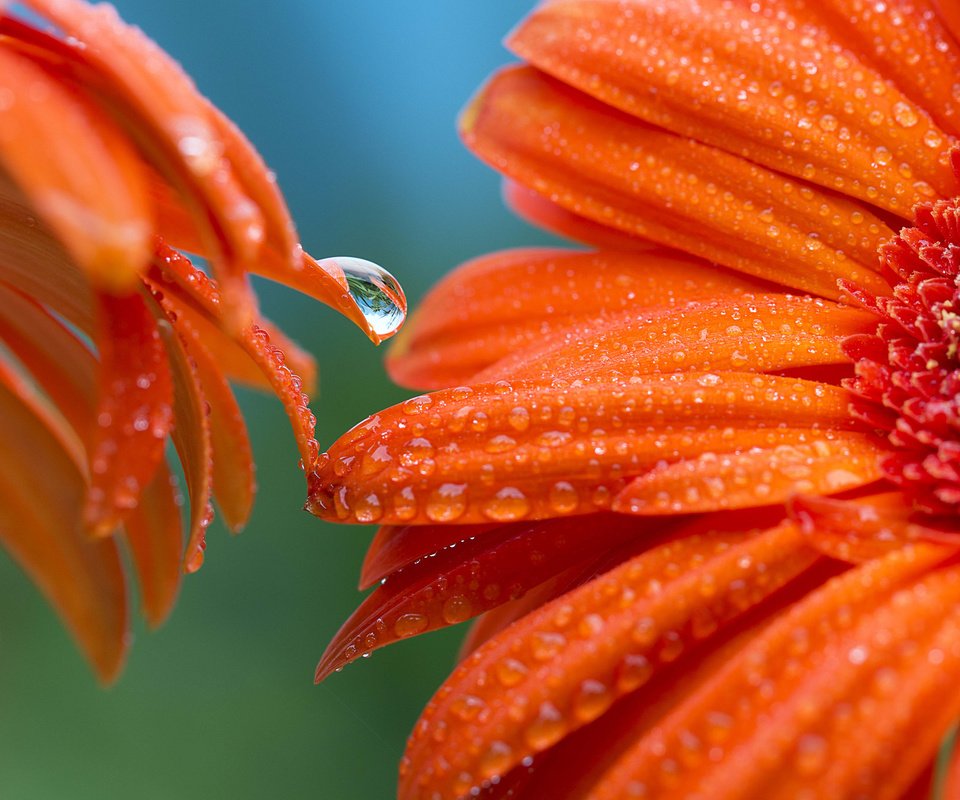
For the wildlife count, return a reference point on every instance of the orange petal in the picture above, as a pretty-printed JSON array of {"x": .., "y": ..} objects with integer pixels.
[
  {"x": 82, "y": 577},
  {"x": 866, "y": 528},
  {"x": 191, "y": 436},
  {"x": 562, "y": 666},
  {"x": 134, "y": 413},
  {"x": 159, "y": 105},
  {"x": 78, "y": 171},
  {"x": 202, "y": 297},
  {"x": 531, "y": 449},
  {"x": 614, "y": 169},
  {"x": 234, "y": 475},
  {"x": 62, "y": 365},
  {"x": 763, "y": 333},
  {"x": 755, "y": 477},
  {"x": 536, "y": 209},
  {"x": 154, "y": 532},
  {"x": 876, "y": 647},
  {"x": 498, "y": 304},
  {"x": 778, "y": 88},
  {"x": 458, "y": 583},
  {"x": 32, "y": 261}
]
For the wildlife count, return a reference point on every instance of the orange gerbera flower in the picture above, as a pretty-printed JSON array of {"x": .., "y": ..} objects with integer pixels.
[
  {"x": 110, "y": 340},
  {"x": 702, "y": 482}
]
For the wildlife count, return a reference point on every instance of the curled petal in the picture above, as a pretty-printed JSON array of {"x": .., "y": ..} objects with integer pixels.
[
  {"x": 614, "y": 169},
  {"x": 564, "y": 665},
  {"x": 502, "y": 452},
  {"x": 82, "y": 577},
  {"x": 878, "y": 145},
  {"x": 134, "y": 412},
  {"x": 190, "y": 293},
  {"x": 77, "y": 170}
]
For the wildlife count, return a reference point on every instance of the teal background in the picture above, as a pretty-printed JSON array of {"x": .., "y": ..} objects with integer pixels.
[{"x": 353, "y": 104}]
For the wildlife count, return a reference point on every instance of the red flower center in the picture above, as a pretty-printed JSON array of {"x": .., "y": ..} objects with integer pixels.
[{"x": 908, "y": 374}]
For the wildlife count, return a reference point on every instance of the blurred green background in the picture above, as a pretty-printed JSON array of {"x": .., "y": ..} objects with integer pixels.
[{"x": 353, "y": 104}]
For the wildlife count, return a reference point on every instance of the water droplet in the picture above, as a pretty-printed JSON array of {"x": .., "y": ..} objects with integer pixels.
[
  {"x": 905, "y": 115},
  {"x": 377, "y": 294},
  {"x": 506, "y": 505},
  {"x": 447, "y": 502},
  {"x": 547, "y": 729},
  {"x": 457, "y": 609},
  {"x": 563, "y": 498},
  {"x": 410, "y": 625},
  {"x": 510, "y": 672}
]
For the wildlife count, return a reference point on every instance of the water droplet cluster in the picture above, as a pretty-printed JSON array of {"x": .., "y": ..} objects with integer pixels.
[{"x": 562, "y": 666}]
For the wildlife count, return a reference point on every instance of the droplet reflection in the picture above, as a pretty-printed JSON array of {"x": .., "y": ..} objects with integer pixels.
[{"x": 377, "y": 294}]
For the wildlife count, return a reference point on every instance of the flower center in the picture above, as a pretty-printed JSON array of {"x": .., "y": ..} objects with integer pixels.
[{"x": 908, "y": 373}]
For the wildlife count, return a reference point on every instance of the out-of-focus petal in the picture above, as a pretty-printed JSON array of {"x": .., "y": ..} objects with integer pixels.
[
  {"x": 457, "y": 584},
  {"x": 79, "y": 172},
  {"x": 498, "y": 304},
  {"x": 777, "y": 88},
  {"x": 162, "y": 110},
  {"x": 134, "y": 413},
  {"x": 82, "y": 577},
  {"x": 606, "y": 166},
  {"x": 530, "y": 449},
  {"x": 876, "y": 647},
  {"x": 563, "y": 666},
  {"x": 154, "y": 532},
  {"x": 62, "y": 365},
  {"x": 34, "y": 262}
]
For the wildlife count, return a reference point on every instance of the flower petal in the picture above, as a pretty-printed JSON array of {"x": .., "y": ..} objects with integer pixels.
[
  {"x": 498, "y": 304},
  {"x": 154, "y": 532},
  {"x": 530, "y": 449},
  {"x": 785, "y": 87},
  {"x": 234, "y": 476},
  {"x": 79, "y": 172},
  {"x": 202, "y": 298},
  {"x": 62, "y": 365},
  {"x": 458, "y": 583},
  {"x": 520, "y": 693},
  {"x": 191, "y": 436},
  {"x": 536, "y": 209},
  {"x": 756, "y": 477},
  {"x": 159, "y": 105},
  {"x": 35, "y": 263},
  {"x": 763, "y": 333},
  {"x": 615, "y": 169},
  {"x": 82, "y": 577},
  {"x": 889, "y": 666},
  {"x": 134, "y": 412}
]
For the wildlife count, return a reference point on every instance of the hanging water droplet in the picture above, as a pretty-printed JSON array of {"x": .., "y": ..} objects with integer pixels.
[{"x": 377, "y": 294}]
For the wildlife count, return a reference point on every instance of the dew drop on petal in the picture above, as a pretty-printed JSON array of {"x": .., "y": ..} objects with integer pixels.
[
  {"x": 410, "y": 625},
  {"x": 377, "y": 294}
]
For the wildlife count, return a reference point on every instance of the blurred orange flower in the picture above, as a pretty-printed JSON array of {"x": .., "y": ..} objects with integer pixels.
[
  {"x": 702, "y": 482},
  {"x": 111, "y": 341}
]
